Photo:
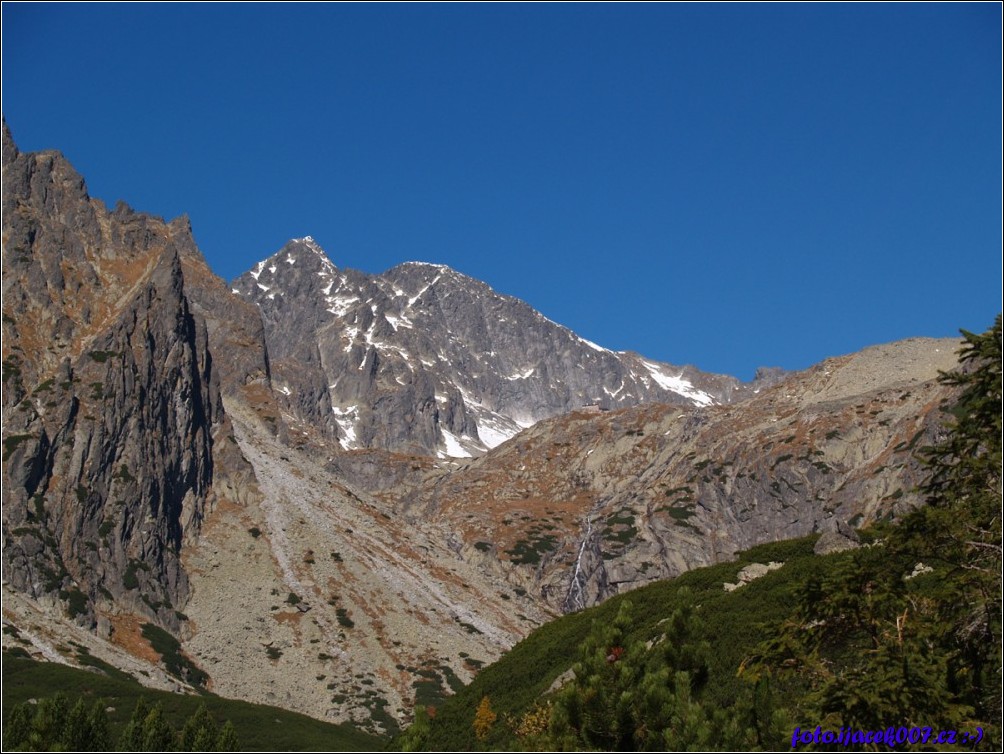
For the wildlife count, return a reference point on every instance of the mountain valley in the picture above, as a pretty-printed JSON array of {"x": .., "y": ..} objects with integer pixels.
[{"x": 344, "y": 493}]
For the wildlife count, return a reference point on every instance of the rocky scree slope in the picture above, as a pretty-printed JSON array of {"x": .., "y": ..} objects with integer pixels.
[
  {"x": 422, "y": 359},
  {"x": 335, "y": 605}
]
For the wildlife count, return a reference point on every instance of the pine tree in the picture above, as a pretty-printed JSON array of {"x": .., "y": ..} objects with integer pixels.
[
  {"x": 50, "y": 725},
  {"x": 200, "y": 731},
  {"x": 158, "y": 735},
  {"x": 961, "y": 525},
  {"x": 49, "y": 722},
  {"x": 206, "y": 739},
  {"x": 77, "y": 730},
  {"x": 18, "y": 727},
  {"x": 97, "y": 722},
  {"x": 966, "y": 465},
  {"x": 593, "y": 711},
  {"x": 874, "y": 646},
  {"x": 626, "y": 698},
  {"x": 417, "y": 734},
  {"x": 227, "y": 740},
  {"x": 131, "y": 738}
]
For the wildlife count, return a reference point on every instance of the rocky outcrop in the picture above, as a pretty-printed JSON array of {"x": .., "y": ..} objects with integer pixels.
[
  {"x": 837, "y": 539},
  {"x": 111, "y": 398},
  {"x": 752, "y": 572},
  {"x": 129, "y": 497}
]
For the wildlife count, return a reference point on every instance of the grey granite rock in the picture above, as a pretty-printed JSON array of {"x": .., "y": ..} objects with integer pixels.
[
  {"x": 111, "y": 399},
  {"x": 833, "y": 541},
  {"x": 423, "y": 359}
]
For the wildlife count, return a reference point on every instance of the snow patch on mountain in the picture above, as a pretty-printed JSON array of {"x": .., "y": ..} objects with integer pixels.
[
  {"x": 592, "y": 345},
  {"x": 339, "y": 305},
  {"x": 417, "y": 296},
  {"x": 453, "y": 447},
  {"x": 346, "y": 420},
  {"x": 616, "y": 392},
  {"x": 678, "y": 385},
  {"x": 493, "y": 434},
  {"x": 521, "y": 375}
]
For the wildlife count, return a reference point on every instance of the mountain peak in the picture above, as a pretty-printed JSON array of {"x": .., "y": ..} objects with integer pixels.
[
  {"x": 424, "y": 359},
  {"x": 297, "y": 244},
  {"x": 297, "y": 256},
  {"x": 309, "y": 242}
]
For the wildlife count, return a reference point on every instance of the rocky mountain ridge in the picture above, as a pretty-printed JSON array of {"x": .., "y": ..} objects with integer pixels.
[
  {"x": 422, "y": 359},
  {"x": 584, "y": 506}
]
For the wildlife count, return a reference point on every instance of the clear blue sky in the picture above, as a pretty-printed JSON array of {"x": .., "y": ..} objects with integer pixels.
[{"x": 722, "y": 185}]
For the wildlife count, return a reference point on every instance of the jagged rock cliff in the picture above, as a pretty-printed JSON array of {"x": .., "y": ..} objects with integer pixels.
[{"x": 111, "y": 401}]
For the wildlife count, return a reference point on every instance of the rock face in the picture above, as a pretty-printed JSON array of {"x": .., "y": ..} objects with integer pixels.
[
  {"x": 584, "y": 506},
  {"x": 234, "y": 327},
  {"x": 422, "y": 359},
  {"x": 111, "y": 401}
]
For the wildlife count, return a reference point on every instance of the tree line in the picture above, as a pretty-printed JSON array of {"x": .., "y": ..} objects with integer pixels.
[{"x": 51, "y": 724}]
